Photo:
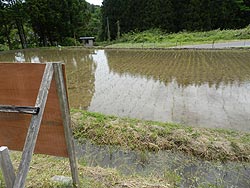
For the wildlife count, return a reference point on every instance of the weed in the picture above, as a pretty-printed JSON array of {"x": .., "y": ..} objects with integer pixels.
[
  {"x": 172, "y": 177},
  {"x": 157, "y": 39},
  {"x": 212, "y": 144},
  {"x": 82, "y": 161},
  {"x": 195, "y": 134},
  {"x": 2, "y": 184},
  {"x": 40, "y": 174}
]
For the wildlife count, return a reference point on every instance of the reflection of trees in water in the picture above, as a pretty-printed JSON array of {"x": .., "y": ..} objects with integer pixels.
[
  {"x": 186, "y": 67},
  {"x": 81, "y": 79},
  {"x": 80, "y": 70}
]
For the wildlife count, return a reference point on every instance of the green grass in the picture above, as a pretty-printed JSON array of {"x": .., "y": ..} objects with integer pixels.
[
  {"x": 212, "y": 144},
  {"x": 44, "y": 167},
  {"x": 133, "y": 134},
  {"x": 158, "y": 39}
]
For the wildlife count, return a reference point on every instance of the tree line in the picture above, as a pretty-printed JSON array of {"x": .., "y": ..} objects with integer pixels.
[
  {"x": 32, "y": 23},
  {"x": 122, "y": 16}
]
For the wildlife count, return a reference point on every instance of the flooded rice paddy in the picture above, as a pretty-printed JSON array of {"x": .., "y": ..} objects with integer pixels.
[{"x": 192, "y": 87}]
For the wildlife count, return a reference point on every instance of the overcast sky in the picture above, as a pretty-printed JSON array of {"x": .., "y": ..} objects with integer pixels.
[{"x": 95, "y": 2}]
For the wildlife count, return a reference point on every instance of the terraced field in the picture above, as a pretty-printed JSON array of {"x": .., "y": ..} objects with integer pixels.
[
  {"x": 204, "y": 88},
  {"x": 186, "y": 67},
  {"x": 194, "y": 87}
]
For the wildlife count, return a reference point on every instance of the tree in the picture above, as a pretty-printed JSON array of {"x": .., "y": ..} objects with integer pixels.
[
  {"x": 6, "y": 24},
  {"x": 243, "y": 12},
  {"x": 14, "y": 9},
  {"x": 56, "y": 20},
  {"x": 94, "y": 25}
]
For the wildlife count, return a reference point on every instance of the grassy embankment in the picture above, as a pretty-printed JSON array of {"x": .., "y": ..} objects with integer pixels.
[
  {"x": 209, "y": 144},
  {"x": 158, "y": 39}
]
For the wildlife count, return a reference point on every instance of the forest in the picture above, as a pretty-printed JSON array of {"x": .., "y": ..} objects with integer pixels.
[
  {"x": 34, "y": 23},
  {"x": 173, "y": 16}
]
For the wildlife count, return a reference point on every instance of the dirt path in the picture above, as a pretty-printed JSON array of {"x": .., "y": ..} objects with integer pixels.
[{"x": 232, "y": 44}]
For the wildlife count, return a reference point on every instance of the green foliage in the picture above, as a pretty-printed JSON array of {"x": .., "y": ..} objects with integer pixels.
[
  {"x": 57, "y": 21},
  {"x": 173, "y": 16},
  {"x": 14, "y": 38},
  {"x": 33, "y": 23},
  {"x": 2, "y": 184},
  {"x": 52, "y": 22},
  {"x": 94, "y": 26},
  {"x": 3, "y": 47},
  {"x": 70, "y": 42},
  {"x": 152, "y": 35},
  {"x": 157, "y": 38}
]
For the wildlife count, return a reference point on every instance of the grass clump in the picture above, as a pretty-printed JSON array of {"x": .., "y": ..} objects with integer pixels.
[
  {"x": 44, "y": 167},
  {"x": 156, "y": 38},
  {"x": 210, "y": 144}
]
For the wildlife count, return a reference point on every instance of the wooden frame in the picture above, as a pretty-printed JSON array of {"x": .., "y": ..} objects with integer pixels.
[{"x": 37, "y": 112}]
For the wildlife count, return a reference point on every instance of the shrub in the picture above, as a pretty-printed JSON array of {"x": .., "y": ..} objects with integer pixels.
[
  {"x": 3, "y": 47},
  {"x": 70, "y": 42}
]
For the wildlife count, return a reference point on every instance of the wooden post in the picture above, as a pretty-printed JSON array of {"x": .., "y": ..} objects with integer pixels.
[
  {"x": 108, "y": 30},
  {"x": 64, "y": 106},
  {"x": 35, "y": 123},
  {"x": 7, "y": 167}
]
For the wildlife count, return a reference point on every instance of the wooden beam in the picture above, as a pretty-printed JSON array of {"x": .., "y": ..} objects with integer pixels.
[
  {"x": 62, "y": 94},
  {"x": 7, "y": 167},
  {"x": 19, "y": 109},
  {"x": 33, "y": 130}
]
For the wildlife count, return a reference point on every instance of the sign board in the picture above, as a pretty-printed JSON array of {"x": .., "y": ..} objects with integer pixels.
[
  {"x": 34, "y": 117},
  {"x": 19, "y": 86}
]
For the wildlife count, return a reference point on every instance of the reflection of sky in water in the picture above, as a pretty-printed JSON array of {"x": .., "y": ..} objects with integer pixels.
[
  {"x": 208, "y": 88},
  {"x": 35, "y": 59},
  {"x": 19, "y": 57},
  {"x": 226, "y": 106}
]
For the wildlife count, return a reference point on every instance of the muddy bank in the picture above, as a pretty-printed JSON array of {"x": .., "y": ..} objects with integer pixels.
[
  {"x": 209, "y": 144},
  {"x": 179, "y": 169}
]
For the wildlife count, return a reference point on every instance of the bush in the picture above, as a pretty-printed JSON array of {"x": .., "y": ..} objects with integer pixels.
[
  {"x": 70, "y": 42},
  {"x": 157, "y": 36},
  {"x": 151, "y": 36},
  {"x": 3, "y": 47},
  {"x": 244, "y": 33}
]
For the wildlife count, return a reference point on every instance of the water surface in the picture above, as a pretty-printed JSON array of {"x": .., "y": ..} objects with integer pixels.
[
  {"x": 193, "y": 172},
  {"x": 192, "y": 87}
]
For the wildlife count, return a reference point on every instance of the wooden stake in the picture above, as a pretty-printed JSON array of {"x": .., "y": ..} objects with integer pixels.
[
  {"x": 7, "y": 167},
  {"x": 62, "y": 94}
]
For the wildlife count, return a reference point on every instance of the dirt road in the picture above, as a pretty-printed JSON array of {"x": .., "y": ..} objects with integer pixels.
[{"x": 231, "y": 44}]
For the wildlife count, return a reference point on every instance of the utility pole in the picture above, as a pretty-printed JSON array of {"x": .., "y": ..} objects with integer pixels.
[
  {"x": 118, "y": 30},
  {"x": 108, "y": 30}
]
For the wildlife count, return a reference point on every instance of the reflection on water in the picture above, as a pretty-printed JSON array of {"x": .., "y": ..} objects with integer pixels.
[
  {"x": 199, "y": 88},
  {"x": 193, "y": 172},
  {"x": 80, "y": 70}
]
